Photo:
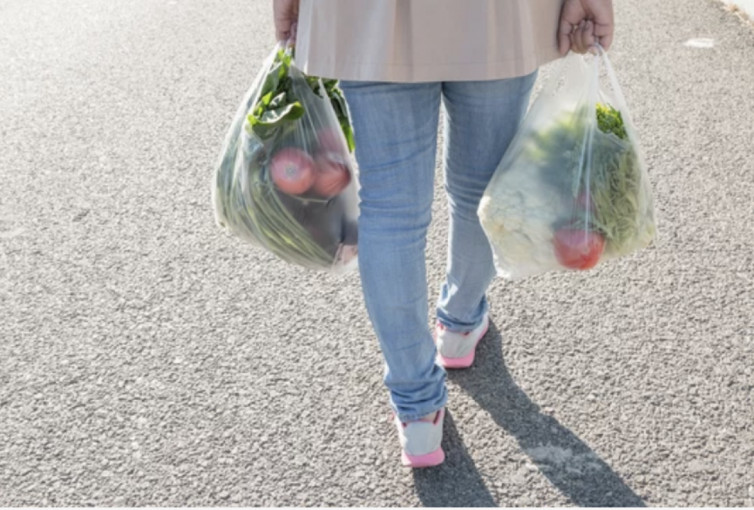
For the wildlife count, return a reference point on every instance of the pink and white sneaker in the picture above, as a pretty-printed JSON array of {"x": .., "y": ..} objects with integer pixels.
[
  {"x": 421, "y": 439},
  {"x": 456, "y": 350}
]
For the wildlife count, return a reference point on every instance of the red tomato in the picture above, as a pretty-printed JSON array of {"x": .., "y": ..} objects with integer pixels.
[
  {"x": 292, "y": 171},
  {"x": 578, "y": 249},
  {"x": 332, "y": 175}
]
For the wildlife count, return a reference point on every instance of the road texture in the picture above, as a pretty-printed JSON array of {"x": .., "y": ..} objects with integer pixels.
[{"x": 148, "y": 359}]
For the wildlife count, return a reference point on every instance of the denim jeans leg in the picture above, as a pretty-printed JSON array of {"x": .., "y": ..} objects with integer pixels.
[
  {"x": 481, "y": 119},
  {"x": 395, "y": 127}
]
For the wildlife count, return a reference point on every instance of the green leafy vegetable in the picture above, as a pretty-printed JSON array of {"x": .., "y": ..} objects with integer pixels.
[
  {"x": 604, "y": 167},
  {"x": 278, "y": 105},
  {"x": 609, "y": 120},
  {"x": 615, "y": 183}
]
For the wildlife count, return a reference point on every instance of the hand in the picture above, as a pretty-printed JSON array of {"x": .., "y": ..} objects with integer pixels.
[
  {"x": 286, "y": 15},
  {"x": 583, "y": 23}
]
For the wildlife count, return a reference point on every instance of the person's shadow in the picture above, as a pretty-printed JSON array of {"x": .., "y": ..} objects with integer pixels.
[
  {"x": 456, "y": 482},
  {"x": 570, "y": 465}
]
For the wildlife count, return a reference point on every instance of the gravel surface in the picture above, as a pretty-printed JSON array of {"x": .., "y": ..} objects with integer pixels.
[{"x": 148, "y": 359}]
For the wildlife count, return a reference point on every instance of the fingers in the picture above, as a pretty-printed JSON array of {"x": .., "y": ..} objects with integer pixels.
[
  {"x": 583, "y": 23},
  {"x": 604, "y": 34},
  {"x": 604, "y": 19},
  {"x": 571, "y": 14},
  {"x": 575, "y": 37},
  {"x": 582, "y": 37},
  {"x": 283, "y": 26},
  {"x": 564, "y": 36},
  {"x": 587, "y": 36},
  {"x": 282, "y": 34},
  {"x": 285, "y": 14}
]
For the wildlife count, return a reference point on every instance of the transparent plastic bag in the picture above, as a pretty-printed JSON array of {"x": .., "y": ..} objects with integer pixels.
[
  {"x": 572, "y": 189},
  {"x": 285, "y": 180}
]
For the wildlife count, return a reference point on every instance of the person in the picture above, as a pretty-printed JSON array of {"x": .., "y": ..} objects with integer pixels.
[{"x": 397, "y": 61}]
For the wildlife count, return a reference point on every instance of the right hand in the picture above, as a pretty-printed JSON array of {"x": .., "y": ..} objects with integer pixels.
[
  {"x": 584, "y": 23},
  {"x": 286, "y": 16}
]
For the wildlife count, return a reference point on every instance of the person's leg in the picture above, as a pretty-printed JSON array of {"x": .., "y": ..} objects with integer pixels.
[
  {"x": 481, "y": 119},
  {"x": 395, "y": 127}
]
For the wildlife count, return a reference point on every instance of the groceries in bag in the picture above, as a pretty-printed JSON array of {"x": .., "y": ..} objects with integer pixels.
[
  {"x": 571, "y": 190},
  {"x": 285, "y": 180}
]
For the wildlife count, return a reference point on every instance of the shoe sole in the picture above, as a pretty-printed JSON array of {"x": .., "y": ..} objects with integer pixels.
[
  {"x": 466, "y": 361},
  {"x": 435, "y": 458}
]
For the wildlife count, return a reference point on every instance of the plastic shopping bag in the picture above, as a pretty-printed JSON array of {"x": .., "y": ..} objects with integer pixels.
[
  {"x": 572, "y": 189},
  {"x": 285, "y": 180}
]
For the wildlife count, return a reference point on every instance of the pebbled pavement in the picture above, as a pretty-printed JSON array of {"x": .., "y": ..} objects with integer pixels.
[{"x": 147, "y": 359}]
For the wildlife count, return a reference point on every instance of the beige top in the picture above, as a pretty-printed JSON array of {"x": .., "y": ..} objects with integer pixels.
[{"x": 426, "y": 40}]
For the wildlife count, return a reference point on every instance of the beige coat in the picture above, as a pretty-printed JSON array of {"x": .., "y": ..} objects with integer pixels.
[{"x": 426, "y": 40}]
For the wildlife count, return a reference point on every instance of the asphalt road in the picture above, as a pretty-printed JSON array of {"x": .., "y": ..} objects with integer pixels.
[{"x": 148, "y": 359}]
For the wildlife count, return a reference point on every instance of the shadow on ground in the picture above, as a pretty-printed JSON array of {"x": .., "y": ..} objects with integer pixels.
[
  {"x": 456, "y": 482},
  {"x": 567, "y": 462}
]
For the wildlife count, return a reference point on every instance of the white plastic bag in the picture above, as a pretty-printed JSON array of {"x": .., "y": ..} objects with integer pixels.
[{"x": 572, "y": 189}]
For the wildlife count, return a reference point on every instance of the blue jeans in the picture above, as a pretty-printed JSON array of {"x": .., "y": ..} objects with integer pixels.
[{"x": 395, "y": 126}]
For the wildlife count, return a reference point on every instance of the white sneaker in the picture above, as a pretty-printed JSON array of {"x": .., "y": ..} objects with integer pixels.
[
  {"x": 456, "y": 350},
  {"x": 420, "y": 440}
]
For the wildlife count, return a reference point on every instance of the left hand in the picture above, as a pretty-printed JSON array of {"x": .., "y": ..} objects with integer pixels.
[
  {"x": 285, "y": 13},
  {"x": 584, "y": 23}
]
